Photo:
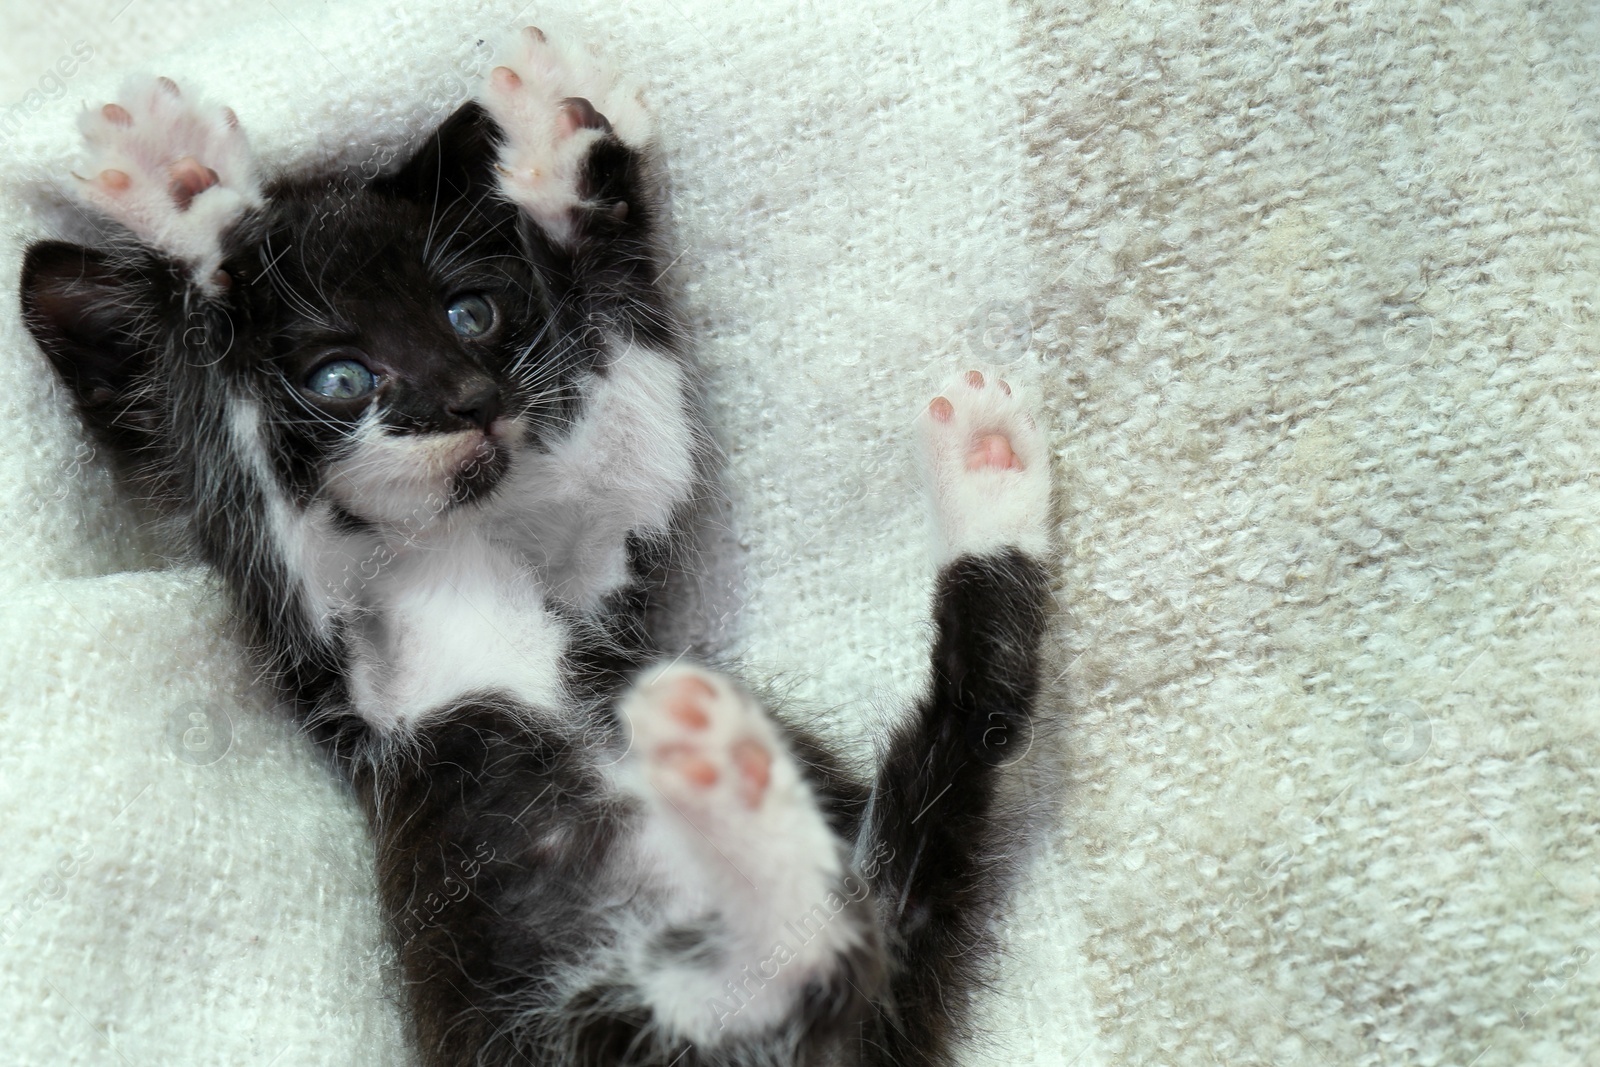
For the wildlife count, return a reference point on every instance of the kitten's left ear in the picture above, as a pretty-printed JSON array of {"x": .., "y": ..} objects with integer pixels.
[
  {"x": 457, "y": 160},
  {"x": 93, "y": 314}
]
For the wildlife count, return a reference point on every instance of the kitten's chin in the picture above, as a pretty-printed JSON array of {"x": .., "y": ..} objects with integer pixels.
[
  {"x": 478, "y": 478},
  {"x": 411, "y": 482}
]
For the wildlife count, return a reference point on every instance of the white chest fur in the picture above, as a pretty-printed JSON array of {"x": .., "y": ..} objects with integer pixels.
[
  {"x": 625, "y": 467},
  {"x": 452, "y": 616}
]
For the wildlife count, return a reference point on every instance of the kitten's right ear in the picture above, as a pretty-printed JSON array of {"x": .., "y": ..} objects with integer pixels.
[
  {"x": 88, "y": 312},
  {"x": 457, "y": 160}
]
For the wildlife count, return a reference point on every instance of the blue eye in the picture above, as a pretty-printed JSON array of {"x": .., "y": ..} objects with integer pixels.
[
  {"x": 470, "y": 316},
  {"x": 342, "y": 379}
]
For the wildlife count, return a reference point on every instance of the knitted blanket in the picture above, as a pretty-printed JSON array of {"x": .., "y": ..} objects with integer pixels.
[{"x": 1305, "y": 290}]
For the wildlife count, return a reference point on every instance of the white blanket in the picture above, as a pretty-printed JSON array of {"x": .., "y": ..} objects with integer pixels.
[{"x": 1307, "y": 291}]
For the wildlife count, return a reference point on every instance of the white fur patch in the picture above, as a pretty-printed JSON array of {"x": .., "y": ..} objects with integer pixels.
[
  {"x": 404, "y": 479},
  {"x": 627, "y": 465},
  {"x": 981, "y": 509},
  {"x": 443, "y": 602},
  {"x": 444, "y": 612},
  {"x": 304, "y": 539},
  {"x": 453, "y": 615}
]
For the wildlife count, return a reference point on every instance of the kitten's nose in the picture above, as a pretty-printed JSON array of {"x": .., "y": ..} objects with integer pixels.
[{"x": 478, "y": 402}]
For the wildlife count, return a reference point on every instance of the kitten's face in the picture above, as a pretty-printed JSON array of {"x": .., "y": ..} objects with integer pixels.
[
  {"x": 398, "y": 357},
  {"x": 386, "y": 347}
]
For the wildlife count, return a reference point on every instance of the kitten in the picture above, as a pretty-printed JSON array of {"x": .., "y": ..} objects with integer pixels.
[{"x": 438, "y": 434}]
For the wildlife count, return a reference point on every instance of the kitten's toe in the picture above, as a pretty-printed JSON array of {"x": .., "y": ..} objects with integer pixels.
[
  {"x": 705, "y": 744},
  {"x": 578, "y": 114}
]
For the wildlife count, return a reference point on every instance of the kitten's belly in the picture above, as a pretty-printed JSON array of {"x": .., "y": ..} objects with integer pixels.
[{"x": 451, "y": 630}]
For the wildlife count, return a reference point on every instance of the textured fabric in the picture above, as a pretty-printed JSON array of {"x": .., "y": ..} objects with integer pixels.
[
  {"x": 185, "y": 883},
  {"x": 1307, "y": 291},
  {"x": 1319, "y": 292}
]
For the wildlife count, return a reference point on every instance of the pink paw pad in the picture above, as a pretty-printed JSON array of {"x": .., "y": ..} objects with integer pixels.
[
  {"x": 993, "y": 450},
  {"x": 697, "y": 736},
  {"x": 114, "y": 181},
  {"x": 190, "y": 177},
  {"x": 504, "y": 80},
  {"x": 576, "y": 114},
  {"x": 988, "y": 450}
]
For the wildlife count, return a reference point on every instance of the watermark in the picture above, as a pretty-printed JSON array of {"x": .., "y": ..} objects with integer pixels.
[
  {"x": 1557, "y": 976},
  {"x": 52, "y": 886},
  {"x": 1409, "y": 340},
  {"x": 1401, "y": 733},
  {"x": 199, "y": 734},
  {"x": 52, "y": 85},
  {"x": 800, "y": 931},
  {"x": 457, "y": 885},
  {"x": 1000, "y": 738},
  {"x": 72, "y": 468},
  {"x": 1001, "y": 330}
]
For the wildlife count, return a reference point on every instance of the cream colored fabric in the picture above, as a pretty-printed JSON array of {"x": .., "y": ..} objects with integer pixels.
[
  {"x": 1318, "y": 289},
  {"x": 1306, "y": 289}
]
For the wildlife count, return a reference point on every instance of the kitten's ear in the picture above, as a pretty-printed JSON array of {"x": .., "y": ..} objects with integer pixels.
[
  {"x": 457, "y": 160},
  {"x": 87, "y": 313}
]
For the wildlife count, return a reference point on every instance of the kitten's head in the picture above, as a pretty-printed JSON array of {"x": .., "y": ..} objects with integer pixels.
[{"x": 387, "y": 346}]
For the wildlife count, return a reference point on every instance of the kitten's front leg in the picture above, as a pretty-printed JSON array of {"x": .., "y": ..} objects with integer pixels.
[
  {"x": 574, "y": 157},
  {"x": 570, "y": 124}
]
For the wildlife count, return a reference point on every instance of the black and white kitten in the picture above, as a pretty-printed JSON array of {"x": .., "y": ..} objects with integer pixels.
[{"x": 438, "y": 433}]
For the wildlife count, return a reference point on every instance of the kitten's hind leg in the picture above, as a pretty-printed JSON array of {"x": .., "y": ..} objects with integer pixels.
[
  {"x": 935, "y": 825},
  {"x": 764, "y": 925}
]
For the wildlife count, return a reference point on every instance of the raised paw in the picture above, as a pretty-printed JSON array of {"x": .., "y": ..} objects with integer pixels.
[
  {"x": 715, "y": 775},
  {"x": 173, "y": 170},
  {"x": 706, "y": 746},
  {"x": 553, "y": 103},
  {"x": 988, "y": 469}
]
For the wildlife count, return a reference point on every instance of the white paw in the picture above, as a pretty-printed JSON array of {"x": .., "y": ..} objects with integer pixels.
[
  {"x": 171, "y": 169},
  {"x": 988, "y": 467},
  {"x": 553, "y": 103},
  {"x": 736, "y": 834},
  {"x": 709, "y": 751}
]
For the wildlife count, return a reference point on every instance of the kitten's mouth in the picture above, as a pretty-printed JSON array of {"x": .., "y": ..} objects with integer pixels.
[
  {"x": 410, "y": 478},
  {"x": 484, "y": 462}
]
